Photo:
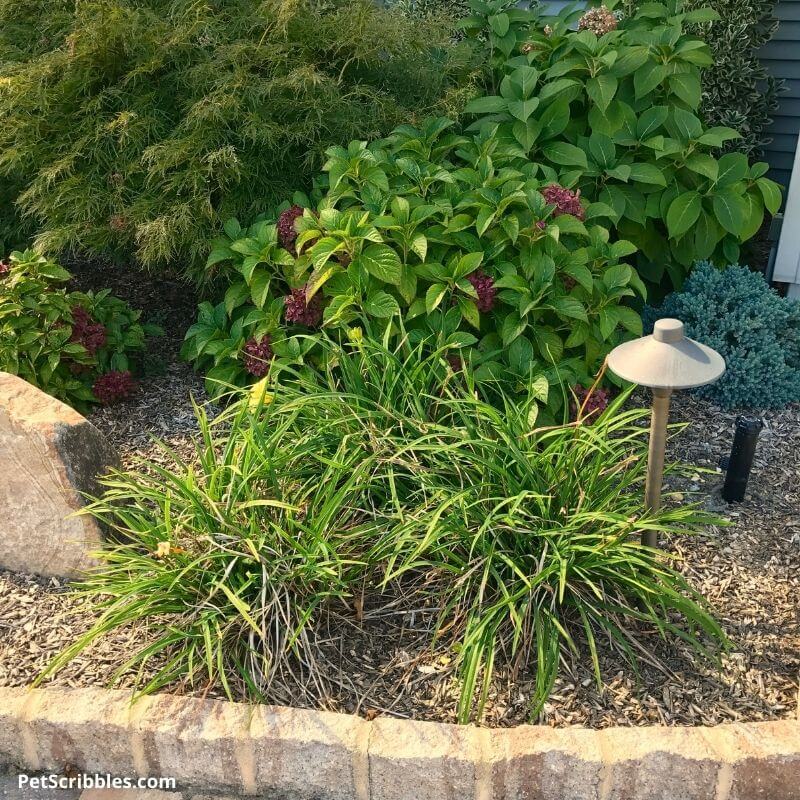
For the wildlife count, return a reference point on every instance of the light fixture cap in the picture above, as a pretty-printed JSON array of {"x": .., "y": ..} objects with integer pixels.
[{"x": 666, "y": 359}]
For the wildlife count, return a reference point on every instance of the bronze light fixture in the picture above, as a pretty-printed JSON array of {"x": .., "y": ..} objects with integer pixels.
[{"x": 665, "y": 361}]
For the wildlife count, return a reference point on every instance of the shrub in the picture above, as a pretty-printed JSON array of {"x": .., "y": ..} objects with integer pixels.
[
  {"x": 616, "y": 116},
  {"x": 384, "y": 473},
  {"x": 435, "y": 234},
  {"x": 139, "y": 127},
  {"x": 738, "y": 90},
  {"x": 758, "y": 333},
  {"x": 75, "y": 346}
]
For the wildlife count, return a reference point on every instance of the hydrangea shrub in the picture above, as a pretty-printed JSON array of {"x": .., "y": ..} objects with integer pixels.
[
  {"x": 75, "y": 346},
  {"x": 736, "y": 312},
  {"x": 433, "y": 235},
  {"x": 610, "y": 99}
]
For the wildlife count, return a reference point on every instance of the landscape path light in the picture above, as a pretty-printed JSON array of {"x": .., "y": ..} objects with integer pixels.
[{"x": 665, "y": 361}]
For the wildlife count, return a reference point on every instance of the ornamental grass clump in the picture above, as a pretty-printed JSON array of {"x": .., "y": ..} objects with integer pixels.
[
  {"x": 230, "y": 556},
  {"x": 384, "y": 477}
]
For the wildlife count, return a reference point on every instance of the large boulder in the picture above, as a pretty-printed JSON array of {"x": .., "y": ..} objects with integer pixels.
[{"x": 49, "y": 456}]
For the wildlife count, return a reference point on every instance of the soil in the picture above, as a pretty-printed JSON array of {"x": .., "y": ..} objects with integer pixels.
[{"x": 380, "y": 661}]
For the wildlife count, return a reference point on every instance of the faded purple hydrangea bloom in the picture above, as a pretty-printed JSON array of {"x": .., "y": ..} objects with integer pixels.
[
  {"x": 287, "y": 234},
  {"x": 302, "y": 312},
  {"x": 565, "y": 201},
  {"x": 484, "y": 286},
  {"x": 87, "y": 332},
  {"x": 257, "y": 355},
  {"x": 113, "y": 386},
  {"x": 593, "y": 403}
]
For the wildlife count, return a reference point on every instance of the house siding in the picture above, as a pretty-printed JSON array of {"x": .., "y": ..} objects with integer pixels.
[{"x": 781, "y": 56}]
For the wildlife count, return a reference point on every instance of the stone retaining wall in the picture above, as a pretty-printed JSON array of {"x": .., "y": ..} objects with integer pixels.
[{"x": 282, "y": 752}]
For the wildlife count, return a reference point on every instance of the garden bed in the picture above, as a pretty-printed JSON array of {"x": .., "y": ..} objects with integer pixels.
[{"x": 379, "y": 662}]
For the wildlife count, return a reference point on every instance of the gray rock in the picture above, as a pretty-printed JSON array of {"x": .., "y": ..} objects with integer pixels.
[{"x": 49, "y": 457}]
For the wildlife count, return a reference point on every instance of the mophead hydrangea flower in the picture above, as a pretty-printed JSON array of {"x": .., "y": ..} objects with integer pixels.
[
  {"x": 564, "y": 200},
  {"x": 86, "y": 331},
  {"x": 257, "y": 354},
  {"x": 484, "y": 286},
  {"x": 593, "y": 402},
  {"x": 599, "y": 21},
  {"x": 287, "y": 233},
  {"x": 113, "y": 386},
  {"x": 301, "y": 311}
]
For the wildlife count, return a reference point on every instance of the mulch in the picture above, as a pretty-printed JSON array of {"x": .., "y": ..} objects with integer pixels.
[{"x": 383, "y": 663}]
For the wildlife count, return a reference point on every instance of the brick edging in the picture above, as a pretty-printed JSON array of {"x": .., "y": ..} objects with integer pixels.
[{"x": 299, "y": 753}]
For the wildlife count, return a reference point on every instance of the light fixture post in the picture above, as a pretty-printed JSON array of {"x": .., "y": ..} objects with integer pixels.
[
  {"x": 655, "y": 457},
  {"x": 664, "y": 361}
]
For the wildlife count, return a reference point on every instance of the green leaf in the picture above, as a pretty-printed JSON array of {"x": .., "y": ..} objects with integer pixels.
[
  {"x": 232, "y": 228},
  {"x": 259, "y": 287},
  {"x": 602, "y": 150},
  {"x": 706, "y": 235},
  {"x": 771, "y": 193},
  {"x": 318, "y": 278},
  {"x": 609, "y": 319},
  {"x": 647, "y": 78},
  {"x": 237, "y": 294},
  {"x": 490, "y": 104},
  {"x": 521, "y": 355},
  {"x": 687, "y": 125},
  {"x": 53, "y": 272},
  {"x": 469, "y": 310},
  {"x": 522, "y": 109},
  {"x": 704, "y": 14},
  {"x": 582, "y": 274},
  {"x": 566, "y": 154},
  {"x": 601, "y": 89},
  {"x": 499, "y": 24},
  {"x": 434, "y": 296},
  {"x": 753, "y": 215},
  {"x": 732, "y": 167},
  {"x": 616, "y": 276},
  {"x": 647, "y": 173},
  {"x": 683, "y": 213},
  {"x": 686, "y": 85},
  {"x": 703, "y": 164},
  {"x": 730, "y": 211},
  {"x": 650, "y": 121},
  {"x": 569, "y": 307},
  {"x": 512, "y": 327},
  {"x": 730, "y": 249},
  {"x": 382, "y": 262},
  {"x": 630, "y": 320},
  {"x": 219, "y": 254},
  {"x": 382, "y": 305}
]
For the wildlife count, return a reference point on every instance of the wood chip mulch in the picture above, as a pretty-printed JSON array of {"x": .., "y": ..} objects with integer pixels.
[{"x": 383, "y": 664}]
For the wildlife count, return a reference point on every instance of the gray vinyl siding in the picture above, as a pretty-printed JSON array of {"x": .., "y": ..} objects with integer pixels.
[{"x": 781, "y": 56}]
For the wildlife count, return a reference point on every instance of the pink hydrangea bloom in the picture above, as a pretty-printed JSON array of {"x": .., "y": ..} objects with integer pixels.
[{"x": 599, "y": 21}]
